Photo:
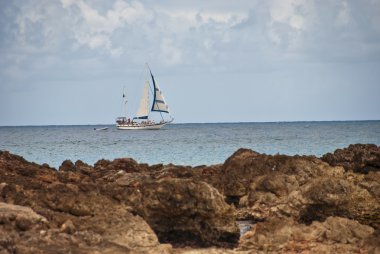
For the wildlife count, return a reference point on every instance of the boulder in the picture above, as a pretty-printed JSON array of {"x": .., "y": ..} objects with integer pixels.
[
  {"x": 335, "y": 234},
  {"x": 49, "y": 211},
  {"x": 329, "y": 196},
  {"x": 361, "y": 158},
  {"x": 291, "y": 203},
  {"x": 183, "y": 210},
  {"x": 22, "y": 218}
]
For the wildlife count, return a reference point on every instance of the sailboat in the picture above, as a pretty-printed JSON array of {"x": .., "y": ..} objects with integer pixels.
[{"x": 158, "y": 104}]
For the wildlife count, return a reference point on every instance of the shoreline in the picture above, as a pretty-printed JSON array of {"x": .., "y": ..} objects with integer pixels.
[{"x": 294, "y": 203}]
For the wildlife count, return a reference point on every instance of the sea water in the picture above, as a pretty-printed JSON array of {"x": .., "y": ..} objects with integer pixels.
[{"x": 183, "y": 144}]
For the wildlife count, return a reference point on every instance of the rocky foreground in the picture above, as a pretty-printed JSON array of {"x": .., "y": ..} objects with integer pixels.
[{"x": 288, "y": 204}]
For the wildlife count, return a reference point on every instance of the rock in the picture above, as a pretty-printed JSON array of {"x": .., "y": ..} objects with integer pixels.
[
  {"x": 187, "y": 210},
  {"x": 303, "y": 188},
  {"x": 278, "y": 235},
  {"x": 370, "y": 182},
  {"x": 358, "y": 158},
  {"x": 7, "y": 244},
  {"x": 328, "y": 196},
  {"x": 24, "y": 217},
  {"x": 291, "y": 203},
  {"x": 244, "y": 166},
  {"x": 67, "y": 165},
  {"x": 43, "y": 214},
  {"x": 68, "y": 227},
  {"x": 84, "y": 168},
  {"x": 126, "y": 164}
]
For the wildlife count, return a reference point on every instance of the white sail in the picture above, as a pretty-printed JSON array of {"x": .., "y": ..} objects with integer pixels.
[
  {"x": 143, "y": 111},
  {"x": 159, "y": 103}
]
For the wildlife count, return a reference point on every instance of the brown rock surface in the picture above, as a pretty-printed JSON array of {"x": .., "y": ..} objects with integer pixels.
[
  {"x": 333, "y": 235},
  {"x": 177, "y": 208},
  {"x": 47, "y": 211},
  {"x": 299, "y": 204},
  {"x": 358, "y": 158}
]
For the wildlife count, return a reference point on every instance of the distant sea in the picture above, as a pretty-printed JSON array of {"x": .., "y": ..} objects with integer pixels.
[{"x": 184, "y": 144}]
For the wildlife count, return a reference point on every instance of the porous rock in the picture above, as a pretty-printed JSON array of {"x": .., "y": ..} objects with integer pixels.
[
  {"x": 361, "y": 158},
  {"x": 295, "y": 204}
]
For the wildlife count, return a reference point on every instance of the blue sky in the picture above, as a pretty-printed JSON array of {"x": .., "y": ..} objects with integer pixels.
[{"x": 66, "y": 62}]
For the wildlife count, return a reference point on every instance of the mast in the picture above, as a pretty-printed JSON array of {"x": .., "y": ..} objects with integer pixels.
[{"x": 125, "y": 102}]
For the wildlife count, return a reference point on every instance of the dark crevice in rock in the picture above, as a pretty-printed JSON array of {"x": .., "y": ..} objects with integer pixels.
[
  {"x": 250, "y": 218},
  {"x": 318, "y": 212},
  {"x": 180, "y": 239},
  {"x": 233, "y": 200},
  {"x": 366, "y": 170},
  {"x": 228, "y": 240}
]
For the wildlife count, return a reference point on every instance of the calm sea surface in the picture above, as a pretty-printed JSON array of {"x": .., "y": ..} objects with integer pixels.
[{"x": 186, "y": 144}]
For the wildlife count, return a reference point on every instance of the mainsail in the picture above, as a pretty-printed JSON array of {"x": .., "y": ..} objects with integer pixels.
[
  {"x": 159, "y": 103},
  {"x": 144, "y": 119},
  {"x": 143, "y": 111}
]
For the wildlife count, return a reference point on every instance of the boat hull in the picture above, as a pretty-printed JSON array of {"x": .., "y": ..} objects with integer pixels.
[
  {"x": 101, "y": 129},
  {"x": 140, "y": 127}
]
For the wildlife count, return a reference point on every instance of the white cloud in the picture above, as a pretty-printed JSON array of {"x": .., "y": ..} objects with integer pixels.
[
  {"x": 195, "y": 17},
  {"x": 170, "y": 54},
  {"x": 194, "y": 33},
  {"x": 343, "y": 17},
  {"x": 67, "y": 3},
  {"x": 289, "y": 21},
  {"x": 286, "y": 11},
  {"x": 94, "y": 30}
]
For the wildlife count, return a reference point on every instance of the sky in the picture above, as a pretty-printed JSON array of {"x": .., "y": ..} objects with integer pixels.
[{"x": 68, "y": 61}]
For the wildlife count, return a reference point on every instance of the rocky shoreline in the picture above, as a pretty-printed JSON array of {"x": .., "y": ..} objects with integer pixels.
[{"x": 287, "y": 204}]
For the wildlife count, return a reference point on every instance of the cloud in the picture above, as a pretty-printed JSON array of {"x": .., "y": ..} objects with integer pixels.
[
  {"x": 95, "y": 30},
  {"x": 343, "y": 17},
  {"x": 171, "y": 55},
  {"x": 307, "y": 30},
  {"x": 195, "y": 33},
  {"x": 67, "y": 3},
  {"x": 100, "y": 43},
  {"x": 287, "y": 12}
]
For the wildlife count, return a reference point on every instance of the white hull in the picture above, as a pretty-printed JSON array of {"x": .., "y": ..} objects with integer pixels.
[
  {"x": 156, "y": 126},
  {"x": 141, "y": 121},
  {"x": 101, "y": 129}
]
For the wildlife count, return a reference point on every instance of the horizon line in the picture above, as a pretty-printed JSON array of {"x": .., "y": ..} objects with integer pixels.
[{"x": 286, "y": 121}]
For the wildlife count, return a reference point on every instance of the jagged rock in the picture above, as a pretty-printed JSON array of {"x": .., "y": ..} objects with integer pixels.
[
  {"x": 326, "y": 192},
  {"x": 121, "y": 206},
  {"x": 329, "y": 196},
  {"x": 67, "y": 165},
  {"x": 24, "y": 218},
  {"x": 286, "y": 236},
  {"x": 126, "y": 164},
  {"x": 244, "y": 166},
  {"x": 187, "y": 210},
  {"x": 359, "y": 158},
  {"x": 370, "y": 182},
  {"x": 44, "y": 212},
  {"x": 68, "y": 227}
]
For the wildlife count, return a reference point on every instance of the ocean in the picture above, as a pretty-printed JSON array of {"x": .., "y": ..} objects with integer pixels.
[{"x": 183, "y": 144}]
